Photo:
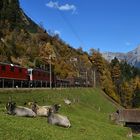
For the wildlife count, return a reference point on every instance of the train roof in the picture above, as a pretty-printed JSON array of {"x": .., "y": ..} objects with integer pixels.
[
  {"x": 37, "y": 69},
  {"x": 10, "y": 64},
  {"x": 2, "y": 63}
]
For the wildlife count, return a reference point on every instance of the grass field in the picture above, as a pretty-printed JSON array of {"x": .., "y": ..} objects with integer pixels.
[{"x": 88, "y": 115}]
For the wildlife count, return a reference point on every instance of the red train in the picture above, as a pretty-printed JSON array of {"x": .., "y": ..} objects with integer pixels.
[{"x": 17, "y": 76}]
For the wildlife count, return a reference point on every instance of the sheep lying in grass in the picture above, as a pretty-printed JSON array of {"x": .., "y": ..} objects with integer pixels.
[
  {"x": 12, "y": 109},
  {"x": 57, "y": 119},
  {"x": 39, "y": 110},
  {"x": 42, "y": 110},
  {"x": 68, "y": 102}
]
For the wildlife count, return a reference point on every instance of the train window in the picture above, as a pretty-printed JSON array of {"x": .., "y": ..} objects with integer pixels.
[
  {"x": 39, "y": 74},
  {"x": 3, "y": 68},
  {"x": 12, "y": 68},
  {"x": 20, "y": 70},
  {"x": 33, "y": 72},
  {"x": 29, "y": 72},
  {"x": 44, "y": 74}
]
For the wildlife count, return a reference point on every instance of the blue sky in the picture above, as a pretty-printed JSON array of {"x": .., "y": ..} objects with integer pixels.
[{"x": 110, "y": 25}]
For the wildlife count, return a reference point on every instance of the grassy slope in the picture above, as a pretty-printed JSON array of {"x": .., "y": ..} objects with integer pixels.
[{"x": 88, "y": 123}]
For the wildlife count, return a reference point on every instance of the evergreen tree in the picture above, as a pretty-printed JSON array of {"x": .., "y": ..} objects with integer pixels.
[
  {"x": 136, "y": 99},
  {"x": 126, "y": 71}
]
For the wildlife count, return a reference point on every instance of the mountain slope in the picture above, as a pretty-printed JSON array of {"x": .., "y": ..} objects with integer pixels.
[
  {"x": 132, "y": 57},
  {"x": 12, "y": 17}
]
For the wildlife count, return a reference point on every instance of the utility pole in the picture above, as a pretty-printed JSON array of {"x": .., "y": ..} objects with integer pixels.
[
  {"x": 94, "y": 78},
  {"x": 50, "y": 65},
  {"x": 86, "y": 79}
]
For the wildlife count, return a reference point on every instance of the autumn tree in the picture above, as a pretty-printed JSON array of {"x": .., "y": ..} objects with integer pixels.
[
  {"x": 105, "y": 79},
  {"x": 116, "y": 74},
  {"x": 127, "y": 94}
]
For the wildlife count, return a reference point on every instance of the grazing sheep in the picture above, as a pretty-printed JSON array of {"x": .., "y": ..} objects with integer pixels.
[
  {"x": 43, "y": 110},
  {"x": 68, "y": 102},
  {"x": 57, "y": 119},
  {"x": 12, "y": 109}
]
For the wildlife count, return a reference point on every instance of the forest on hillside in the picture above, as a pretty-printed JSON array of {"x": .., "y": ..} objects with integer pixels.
[{"x": 119, "y": 80}]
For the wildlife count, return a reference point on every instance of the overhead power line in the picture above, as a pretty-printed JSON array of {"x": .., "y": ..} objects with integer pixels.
[{"x": 71, "y": 27}]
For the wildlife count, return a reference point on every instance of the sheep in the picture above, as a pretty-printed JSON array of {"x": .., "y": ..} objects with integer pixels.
[
  {"x": 12, "y": 109},
  {"x": 39, "y": 110},
  {"x": 43, "y": 110},
  {"x": 68, "y": 102},
  {"x": 57, "y": 119}
]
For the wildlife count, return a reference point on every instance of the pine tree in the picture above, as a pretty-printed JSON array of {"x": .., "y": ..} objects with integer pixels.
[{"x": 126, "y": 71}]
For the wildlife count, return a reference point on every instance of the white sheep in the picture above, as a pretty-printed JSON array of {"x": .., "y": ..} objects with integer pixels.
[
  {"x": 68, "y": 102},
  {"x": 12, "y": 109}
]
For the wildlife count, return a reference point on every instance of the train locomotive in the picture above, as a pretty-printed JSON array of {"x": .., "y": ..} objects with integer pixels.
[
  {"x": 11, "y": 75},
  {"x": 17, "y": 76}
]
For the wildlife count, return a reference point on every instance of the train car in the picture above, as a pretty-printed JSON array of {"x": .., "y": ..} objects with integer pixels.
[
  {"x": 77, "y": 82},
  {"x": 62, "y": 82},
  {"x": 38, "y": 77},
  {"x": 12, "y": 75}
]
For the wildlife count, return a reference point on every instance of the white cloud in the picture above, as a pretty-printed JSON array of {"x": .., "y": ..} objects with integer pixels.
[
  {"x": 52, "y": 4},
  {"x": 56, "y": 32},
  {"x": 65, "y": 7}
]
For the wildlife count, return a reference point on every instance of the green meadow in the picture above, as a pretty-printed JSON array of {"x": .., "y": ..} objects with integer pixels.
[{"x": 88, "y": 113}]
